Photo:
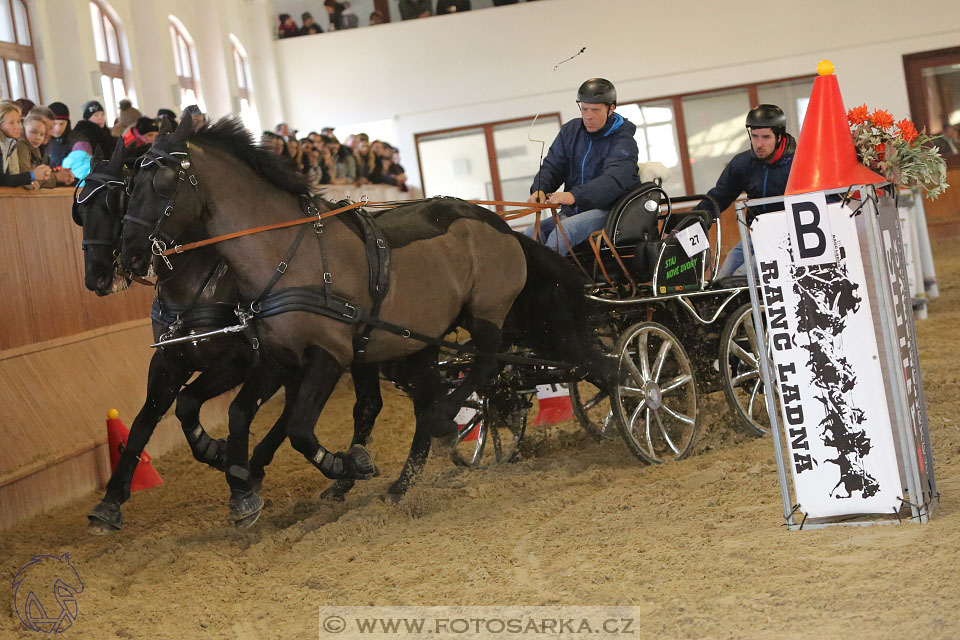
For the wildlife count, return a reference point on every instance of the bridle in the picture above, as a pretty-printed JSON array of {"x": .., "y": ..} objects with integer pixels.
[
  {"x": 102, "y": 181},
  {"x": 166, "y": 182}
]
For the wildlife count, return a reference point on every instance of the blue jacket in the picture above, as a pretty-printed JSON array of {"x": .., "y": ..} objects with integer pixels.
[
  {"x": 745, "y": 173},
  {"x": 597, "y": 168}
]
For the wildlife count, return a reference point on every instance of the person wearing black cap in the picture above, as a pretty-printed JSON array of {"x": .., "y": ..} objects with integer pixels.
[
  {"x": 595, "y": 158},
  {"x": 61, "y": 137},
  {"x": 761, "y": 172},
  {"x": 93, "y": 129}
]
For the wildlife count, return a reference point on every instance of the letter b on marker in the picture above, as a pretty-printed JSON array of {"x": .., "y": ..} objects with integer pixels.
[{"x": 810, "y": 231}]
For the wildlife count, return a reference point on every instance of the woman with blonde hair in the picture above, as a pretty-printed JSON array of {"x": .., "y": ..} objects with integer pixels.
[{"x": 11, "y": 175}]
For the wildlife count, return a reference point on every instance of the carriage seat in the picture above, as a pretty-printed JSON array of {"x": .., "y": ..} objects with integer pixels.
[{"x": 634, "y": 217}]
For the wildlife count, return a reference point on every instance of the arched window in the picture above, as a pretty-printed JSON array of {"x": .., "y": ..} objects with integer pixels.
[
  {"x": 245, "y": 104},
  {"x": 110, "y": 54},
  {"x": 185, "y": 61},
  {"x": 18, "y": 64}
]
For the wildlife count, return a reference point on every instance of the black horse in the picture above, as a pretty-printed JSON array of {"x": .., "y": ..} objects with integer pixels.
[
  {"x": 199, "y": 296},
  {"x": 452, "y": 263}
]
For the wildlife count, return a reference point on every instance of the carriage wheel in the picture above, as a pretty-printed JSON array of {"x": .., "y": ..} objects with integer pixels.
[
  {"x": 739, "y": 366},
  {"x": 655, "y": 405},
  {"x": 591, "y": 405},
  {"x": 494, "y": 433},
  {"x": 592, "y": 408}
]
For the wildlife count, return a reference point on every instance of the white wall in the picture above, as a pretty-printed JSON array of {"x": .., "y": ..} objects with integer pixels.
[
  {"x": 494, "y": 64},
  {"x": 66, "y": 51}
]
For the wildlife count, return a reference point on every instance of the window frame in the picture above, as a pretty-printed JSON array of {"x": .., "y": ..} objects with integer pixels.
[
  {"x": 19, "y": 53},
  {"x": 179, "y": 33},
  {"x": 488, "y": 129},
  {"x": 913, "y": 65},
  {"x": 110, "y": 70},
  {"x": 676, "y": 101}
]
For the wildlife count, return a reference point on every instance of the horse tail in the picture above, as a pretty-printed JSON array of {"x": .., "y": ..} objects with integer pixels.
[{"x": 551, "y": 314}]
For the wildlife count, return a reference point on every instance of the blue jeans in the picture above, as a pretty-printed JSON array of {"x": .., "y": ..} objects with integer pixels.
[
  {"x": 733, "y": 263},
  {"x": 577, "y": 228}
]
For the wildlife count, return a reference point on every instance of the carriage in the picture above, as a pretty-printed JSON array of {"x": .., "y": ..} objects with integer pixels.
[{"x": 675, "y": 331}]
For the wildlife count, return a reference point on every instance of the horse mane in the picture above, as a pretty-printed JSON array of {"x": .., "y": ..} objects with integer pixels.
[{"x": 229, "y": 135}]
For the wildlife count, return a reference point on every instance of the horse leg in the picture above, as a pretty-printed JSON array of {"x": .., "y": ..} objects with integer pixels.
[
  {"x": 210, "y": 384},
  {"x": 320, "y": 376},
  {"x": 245, "y": 504},
  {"x": 163, "y": 382},
  {"x": 486, "y": 337},
  {"x": 366, "y": 382},
  {"x": 267, "y": 447},
  {"x": 419, "y": 373}
]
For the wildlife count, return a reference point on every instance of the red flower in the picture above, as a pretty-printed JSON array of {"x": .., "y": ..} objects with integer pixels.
[
  {"x": 907, "y": 130},
  {"x": 858, "y": 115},
  {"x": 881, "y": 118},
  {"x": 881, "y": 151}
]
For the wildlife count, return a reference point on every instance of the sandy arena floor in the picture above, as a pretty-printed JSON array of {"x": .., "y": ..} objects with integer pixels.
[{"x": 696, "y": 545}]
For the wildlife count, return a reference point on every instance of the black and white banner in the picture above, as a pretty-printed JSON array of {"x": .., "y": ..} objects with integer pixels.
[{"x": 826, "y": 359}]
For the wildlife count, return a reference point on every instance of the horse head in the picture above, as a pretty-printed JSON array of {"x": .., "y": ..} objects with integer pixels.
[
  {"x": 149, "y": 226},
  {"x": 99, "y": 203}
]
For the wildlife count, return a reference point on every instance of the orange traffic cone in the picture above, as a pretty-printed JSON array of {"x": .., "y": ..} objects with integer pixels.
[
  {"x": 145, "y": 476},
  {"x": 555, "y": 406},
  {"x": 825, "y": 157}
]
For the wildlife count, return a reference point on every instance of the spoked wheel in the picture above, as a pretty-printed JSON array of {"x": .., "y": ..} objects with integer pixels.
[
  {"x": 494, "y": 433},
  {"x": 740, "y": 369},
  {"x": 591, "y": 405},
  {"x": 656, "y": 401}
]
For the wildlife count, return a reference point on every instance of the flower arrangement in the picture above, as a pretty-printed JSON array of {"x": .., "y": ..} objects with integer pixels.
[{"x": 897, "y": 150}]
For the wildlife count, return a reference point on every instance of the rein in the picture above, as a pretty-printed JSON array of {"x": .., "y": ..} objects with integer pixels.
[{"x": 535, "y": 208}]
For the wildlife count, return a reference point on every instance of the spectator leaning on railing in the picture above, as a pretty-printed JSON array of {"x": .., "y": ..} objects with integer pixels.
[
  {"x": 60, "y": 137},
  {"x": 29, "y": 155},
  {"x": 93, "y": 129},
  {"x": 452, "y": 6},
  {"x": 11, "y": 174},
  {"x": 410, "y": 9}
]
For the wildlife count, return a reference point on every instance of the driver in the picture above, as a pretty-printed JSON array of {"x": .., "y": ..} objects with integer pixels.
[
  {"x": 761, "y": 172},
  {"x": 594, "y": 157}
]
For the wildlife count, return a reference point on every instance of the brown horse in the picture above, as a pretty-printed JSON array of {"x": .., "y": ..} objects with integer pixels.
[{"x": 452, "y": 263}]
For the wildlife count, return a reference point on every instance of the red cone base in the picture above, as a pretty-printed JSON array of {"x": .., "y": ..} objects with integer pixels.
[
  {"x": 825, "y": 156},
  {"x": 145, "y": 476}
]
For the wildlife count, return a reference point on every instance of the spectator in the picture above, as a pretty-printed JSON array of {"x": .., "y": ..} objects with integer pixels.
[
  {"x": 377, "y": 17},
  {"x": 396, "y": 169},
  {"x": 49, "y": 119},
  {"x": 288, "y": 28},
  {"x": 294, "y": 153},
  {"x": 410, "y": 9},
  {"x": 366, "y": 163},
  {"x": 327, "y": 131},
  {"x": 79, "y": 159},
  {"x": 25, "y": 104},
  {"x": 143, "y": 132},
  {"x": 452, "y": 6},
  {"x": 316, "y": 138},
  {"x": 282, "y": 130},
  {"x": 348, "y": 18},
  {"x": 309, "y": 26},
  {"x": 93, "y": 129},
  {"x": 61, "y": 134},
  {"x": 29, "y": 155},
  {"x": 500, "y": 3},
  {"x": 335, "y": 10},
  {"x": 10, "y": 130},
  {"x": 127, "y": 118},
  {"x": 343, "y": 161}
]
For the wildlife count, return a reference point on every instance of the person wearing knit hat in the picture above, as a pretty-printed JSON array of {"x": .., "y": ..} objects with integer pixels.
[
  {"x": 60, "y": 138},
  {"x": 92, "y": 129},
  {"x": 127, "y": 118},
  {"x": 78, "y": 160},
  {"x": 142, "y": 132},
  {"x": 309, "y": 26}
]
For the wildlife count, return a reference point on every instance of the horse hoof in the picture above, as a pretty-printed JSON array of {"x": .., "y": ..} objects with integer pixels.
[
  {"x": 106, "y": 518},
  {"x": 364, "y": 467},
  {"x": 336, "y": 492},
  {"x": 245, "y": 509}
]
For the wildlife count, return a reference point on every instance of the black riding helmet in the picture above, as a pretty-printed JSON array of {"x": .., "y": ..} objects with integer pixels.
[
  {"x": 597, "y": 91},
  {"x": 768, "y": 116}
]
